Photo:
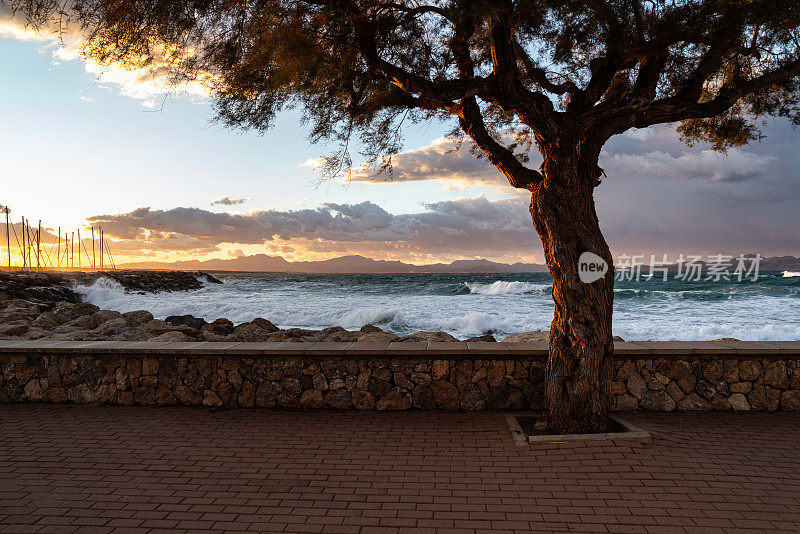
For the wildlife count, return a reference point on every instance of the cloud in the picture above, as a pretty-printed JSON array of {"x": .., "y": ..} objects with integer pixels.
[
  {"x": 146, "y": 84},
  {"x": 464, "y": 227},
  {"x": 227, "y": 201}
]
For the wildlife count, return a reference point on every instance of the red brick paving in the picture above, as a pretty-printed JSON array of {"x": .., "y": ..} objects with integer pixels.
[{"x": 137, "y": 469}]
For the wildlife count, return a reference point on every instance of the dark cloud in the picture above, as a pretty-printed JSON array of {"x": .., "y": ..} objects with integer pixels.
[
  {"x": 461, "y": 227},
  {"x": 227, "y": 201}
]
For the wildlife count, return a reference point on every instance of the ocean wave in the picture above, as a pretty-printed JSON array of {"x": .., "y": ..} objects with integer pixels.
[
  {"x": 377, "y": 315},
  {"x": 501, "y": 287},
  {"x": 101, "y": 292},
  {"x": 472, "y": 324},
  {"x": 790, "y": 274}
]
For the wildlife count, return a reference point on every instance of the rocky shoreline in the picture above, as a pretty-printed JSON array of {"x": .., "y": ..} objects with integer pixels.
[{"x": 44, "y": 306}]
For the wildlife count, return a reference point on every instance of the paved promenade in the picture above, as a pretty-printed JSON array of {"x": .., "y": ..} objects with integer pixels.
[{"x": 140, "y": 469}]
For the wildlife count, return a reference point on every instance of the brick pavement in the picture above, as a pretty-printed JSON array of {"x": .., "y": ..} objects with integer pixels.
[{"x": 146, "y": 469}]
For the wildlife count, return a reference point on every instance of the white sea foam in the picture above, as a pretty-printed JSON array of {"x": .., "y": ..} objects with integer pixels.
[
  {"x": 790, "y": 274},
  {"x": 502, "y": 308},
  {"x": 501, "y": 287}
]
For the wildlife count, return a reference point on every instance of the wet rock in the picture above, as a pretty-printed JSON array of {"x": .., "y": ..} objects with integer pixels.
[
  {"x": 186, "y": 320},
  {"x": 369, "y": 328}
]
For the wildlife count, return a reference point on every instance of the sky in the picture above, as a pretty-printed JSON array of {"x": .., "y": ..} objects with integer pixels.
[{"x": 83, "y": 146}]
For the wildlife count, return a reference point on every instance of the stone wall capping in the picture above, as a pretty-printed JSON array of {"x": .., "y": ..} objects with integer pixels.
[
  {"x": 438, "y": 348},
  {"x": 727, "y": 348},
  {"x": 327, "y": 348},
  {"x": 628, "y": 348},
  {"x": 286, "y": 347},
  {"x": 407, "y": 348},
  {"x": 477, "y": 348},
  {"x": 529, "y": 348},
  {"x": 254, "y": 347},
  {"x": 668, "y": 347},
  {"x": 367, "y": 348},
  {"x": 783, "y": 347}
]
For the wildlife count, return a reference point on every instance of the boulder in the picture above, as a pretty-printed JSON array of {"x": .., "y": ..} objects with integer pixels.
[
  {"x": 186, "y": 320},
  {"x": 534, "y": 335},
  {"x": 377, "y": 337},
  {"x": 172, "y": 336},
  {"x": 484, "y": 337},
  {"x": 264, "y": 324},
  {"x": 249, "y": 332},
  {"x": 137, "y": 318},
  {"x": 13, "y": 329},
  {"x": 368, "y": 328},
  {"x": 428, "y": 336},
  {"x": 103, "y": 316}
]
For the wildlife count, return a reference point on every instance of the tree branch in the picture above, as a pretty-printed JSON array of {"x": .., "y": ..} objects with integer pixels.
[{"x": 471, "y": 121}]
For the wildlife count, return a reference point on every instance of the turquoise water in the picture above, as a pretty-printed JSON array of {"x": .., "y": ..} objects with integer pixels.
[{"x": 473, "y": 304}]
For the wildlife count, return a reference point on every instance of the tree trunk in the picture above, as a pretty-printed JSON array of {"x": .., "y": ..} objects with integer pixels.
[{"x": 580, "y": 363}]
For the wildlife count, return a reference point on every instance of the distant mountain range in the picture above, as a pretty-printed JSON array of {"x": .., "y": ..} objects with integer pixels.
[
  {"x": 344, "y": 264},
  {"x": 360, "y": 264}
]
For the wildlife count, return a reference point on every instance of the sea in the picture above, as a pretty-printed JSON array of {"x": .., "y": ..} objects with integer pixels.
[{"x": 466, "y": 305}]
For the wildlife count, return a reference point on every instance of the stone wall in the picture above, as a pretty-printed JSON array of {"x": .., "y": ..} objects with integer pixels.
[{"x": 447, "y": 379}]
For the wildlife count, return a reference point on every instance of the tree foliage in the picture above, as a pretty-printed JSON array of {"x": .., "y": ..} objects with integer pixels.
[{"x": 510, "y": 72}]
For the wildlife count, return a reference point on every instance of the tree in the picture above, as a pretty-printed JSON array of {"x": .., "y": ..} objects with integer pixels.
[{"x": 561, "y": 74}]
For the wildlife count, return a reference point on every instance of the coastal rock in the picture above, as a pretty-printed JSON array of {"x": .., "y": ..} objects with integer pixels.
[
  {"x": 137, "y": 318},
  {"x": 485, "y": 337},
  {"x": 264, "y": 324},
  {"x": 103, "y": 316},
  {"x": 369, "y": 328},
  {"x": 377, "y": 337},
  {"x": 13, "y": 329},
  {"x": 219, "y": 327},
  {"x": 534, "y": 335},
  {"x": 172, "y": 336},
  {"x": 428, "y": 336},
  {"x": 249, "y": 332},
  {"x": 186, "y": 320}
]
